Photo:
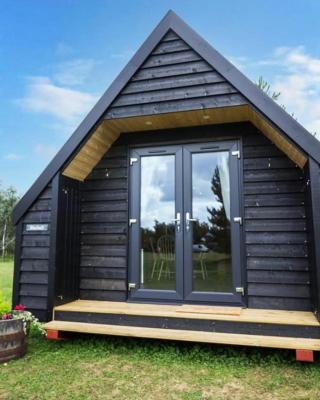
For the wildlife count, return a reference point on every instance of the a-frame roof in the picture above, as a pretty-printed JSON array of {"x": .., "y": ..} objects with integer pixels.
[{"x": 262, "y": 103}]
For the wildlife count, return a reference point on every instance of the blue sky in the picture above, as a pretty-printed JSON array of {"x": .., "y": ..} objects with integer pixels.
[{"x": 57, "y": 57}]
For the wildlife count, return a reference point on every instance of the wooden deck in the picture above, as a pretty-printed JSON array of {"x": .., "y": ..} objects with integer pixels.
[{"x": 207, "y": 324}]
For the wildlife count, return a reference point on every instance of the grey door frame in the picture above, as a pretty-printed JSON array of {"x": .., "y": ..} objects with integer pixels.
[
  {"x": 230, "y": 146},
  {"x": 183, "y": 178},
  {"x": 134, "y": 229}
]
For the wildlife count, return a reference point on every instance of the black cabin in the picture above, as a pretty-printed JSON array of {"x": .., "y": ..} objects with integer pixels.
[{"x": 185, "y": 206}]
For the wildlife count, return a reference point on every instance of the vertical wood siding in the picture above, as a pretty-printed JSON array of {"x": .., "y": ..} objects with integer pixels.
[
  {"x": 173, "y": 78},
  {"x": 104, "y": 218},
  {"x": 275, "y": 228},
  {"x": 34, "y": 261}
]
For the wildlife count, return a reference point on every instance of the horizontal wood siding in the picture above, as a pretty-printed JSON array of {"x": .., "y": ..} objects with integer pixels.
[
  {"x": 173, "y": 78},
  {"x": 104, "y": 216},
  {"x": 34, "y": 256},
  {"x": 275, "y": 226}
]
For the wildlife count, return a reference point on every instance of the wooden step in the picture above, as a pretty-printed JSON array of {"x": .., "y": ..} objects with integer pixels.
[
  {"x": 236, "y": 314},
  {"x": 186, "y": 335}
]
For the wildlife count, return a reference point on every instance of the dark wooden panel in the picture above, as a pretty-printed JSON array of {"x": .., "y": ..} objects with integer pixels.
[
  {"x": 173, "y": 82},
  {"x": 98, "y": 261},
  {"x": 46, "y": 194},
  {"x": 35, "y": 240},
  {"x": 174, "y": 106},
  {"x": 34, "y": 265},
  {"x": 267, "y": 162},
  {"x": 279, "y": 290},
  {"x": 103, "y": 184},
  {"x": 103, "y": 273},
  {"x": 275, "y": 225},
  {"x": 110, "y": 295},
  {"x": 274, "y": 187},
  {"x": 33, "y": 302},
  {"x": 100, "y": 250},
  {"x": 175, "y": 94},
  {"x": 41, "y": 205},
  {"x": 104, "y": 195},
  {"x": 116, "y": 227},
  {"x": 261, "y": 151},
  {"x": 34, "y": 277},
  {"x": 275, "y": 199},
  {"x": 103, "y": 284},
  {"x": 103, "y": 239},
  {"x": 290, "y": 277},
  {"x": 107, "y": 173},
  {"x": 278, "y": 263},
  {"x": 172, "y": 70},
  {"x": 104, "y": 206},
  {"x": 273, "y": 175},
  {"x": 276, "y": 303},
  {"x": 170, "y": 36},
  {"x": 276, "y": 237},
  {"x": 171, "y": 58},
  {"x": 35, "y": 253},
  {"x": 112, "y": 216},
  {"x": 171, "y": 47},
  {"x": 273, "y": 250},
  {"x": 111, "y": 163},
  {"x": 33, "y": 290},
  {"x": 275, "y": 212},
  {"x": 37, "y": 217}
]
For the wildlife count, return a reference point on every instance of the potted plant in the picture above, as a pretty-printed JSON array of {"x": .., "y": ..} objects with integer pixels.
[{"x": 14, "y": 329}]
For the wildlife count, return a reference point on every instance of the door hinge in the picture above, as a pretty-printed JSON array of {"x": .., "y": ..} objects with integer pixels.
[
  {"x": 236, "y": 153},
  {"x": 133, "y": 160},
  {"x": 238, "y": 220},
  {"x": 131, "y": 285},
  {"x": 240, "y": 290},
  {"x": 132, "y": 221}
]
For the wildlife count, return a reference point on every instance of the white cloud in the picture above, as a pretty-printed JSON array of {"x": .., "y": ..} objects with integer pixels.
[
  {"x": 44, "y": 96},
  {"x": 12, "y": 157},
  {"x": 73, "y": 72},
  {"x": 123, "y": 55},
  {"x": 296, "y": 75},
  {"x": 44, "y": 151}
]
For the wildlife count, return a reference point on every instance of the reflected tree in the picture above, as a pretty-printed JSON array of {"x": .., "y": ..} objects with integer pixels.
[{"x": 219, "y": 223}]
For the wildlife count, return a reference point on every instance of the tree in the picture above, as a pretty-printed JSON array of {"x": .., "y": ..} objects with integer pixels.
[
  {"x": 220, "y": 225},
  {"x": 8, "y": 199}
]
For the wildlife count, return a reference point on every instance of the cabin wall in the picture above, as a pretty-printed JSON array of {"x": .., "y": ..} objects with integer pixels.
[
  {"x": 104, "y": 220},
  {"x": 32, "y": 257},
  {"x": 274, "y": 230}
]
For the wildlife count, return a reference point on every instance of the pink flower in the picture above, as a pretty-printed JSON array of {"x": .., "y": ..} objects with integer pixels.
[
  {"x": 6, "y": 316},
  {"x": 19, "y": 307}
]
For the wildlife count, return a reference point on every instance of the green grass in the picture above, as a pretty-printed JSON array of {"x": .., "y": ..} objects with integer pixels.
[
  {"x": 6, "y": 274},
  {"x": 93, "y": 367}
]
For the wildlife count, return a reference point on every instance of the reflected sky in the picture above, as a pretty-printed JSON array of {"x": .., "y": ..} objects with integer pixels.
[{"x": 157, "y": 189}]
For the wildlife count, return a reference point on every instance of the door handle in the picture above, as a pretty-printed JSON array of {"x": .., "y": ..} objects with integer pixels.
[
  {"x": 188, "y": 220},
  {"x": 177, "y": 221}
]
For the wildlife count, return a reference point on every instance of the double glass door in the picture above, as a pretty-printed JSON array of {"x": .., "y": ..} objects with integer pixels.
[{"x": 184, "y": 225}]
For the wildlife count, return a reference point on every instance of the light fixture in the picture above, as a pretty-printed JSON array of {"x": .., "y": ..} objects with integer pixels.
[
  {"x": 206, "y": 116},
  {"x": 148, "y": 123}
]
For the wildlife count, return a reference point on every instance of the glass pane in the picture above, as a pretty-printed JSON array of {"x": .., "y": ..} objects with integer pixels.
[
  {"x": 211, "y": 250},
  {"x": 157, "y": 253}
]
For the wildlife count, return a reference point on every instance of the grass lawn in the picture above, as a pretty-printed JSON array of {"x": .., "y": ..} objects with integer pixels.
[
  {"x": 6, "y": 274},
  {"x": 93, "y": 367}
]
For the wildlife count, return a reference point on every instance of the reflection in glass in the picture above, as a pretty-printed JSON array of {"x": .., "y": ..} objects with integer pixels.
[
  {"x": 157, "y": 253},
  {"x": 211, "y": 252}
]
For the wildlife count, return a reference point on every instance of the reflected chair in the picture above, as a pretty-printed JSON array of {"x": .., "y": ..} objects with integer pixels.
[
  {"x": 155, "y": 257},
  {"x": 166, "y": 249},
  {"x": 203, "y": 267}
]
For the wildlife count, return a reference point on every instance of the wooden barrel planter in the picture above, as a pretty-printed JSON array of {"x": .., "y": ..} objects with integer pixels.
[{"x": 13, "y": 342}]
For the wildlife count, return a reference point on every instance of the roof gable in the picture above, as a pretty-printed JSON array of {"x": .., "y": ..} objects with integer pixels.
[{"x": 195, "y": 49}]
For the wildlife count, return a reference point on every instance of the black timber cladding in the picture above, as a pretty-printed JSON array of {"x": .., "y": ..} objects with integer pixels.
[
  {"x": 33, "y": 262},
  {"x": 275, "y": 226},
  {"x": 173, "y": 78},
  {"x": 104, "y": 219},
  {"x": 276, "y": 241}
]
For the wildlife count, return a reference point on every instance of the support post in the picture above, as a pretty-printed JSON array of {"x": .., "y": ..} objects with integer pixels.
[
  {"x": 304, "y": 355},
  {"x": 314, "y": 231}
]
